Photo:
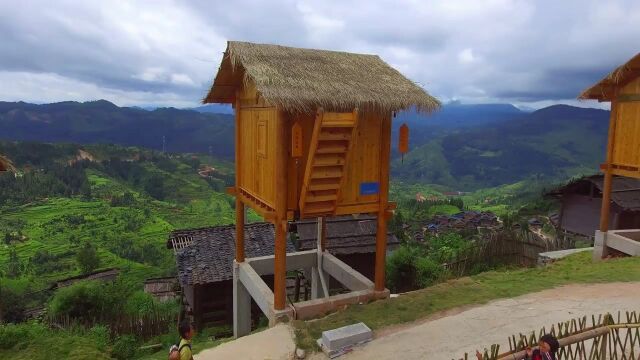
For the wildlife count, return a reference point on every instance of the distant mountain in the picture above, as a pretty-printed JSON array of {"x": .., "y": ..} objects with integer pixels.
[
  {"x": 214, "y": 109},
  {"x": 455, "y": 115},
  {"x": 452, "y": 117},
  {"x": 103, "y": 122},
  {"x": 555, "y": 142}
]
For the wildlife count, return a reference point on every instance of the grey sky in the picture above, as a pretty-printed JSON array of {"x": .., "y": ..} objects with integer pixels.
[{"x": 531, "y": 53}]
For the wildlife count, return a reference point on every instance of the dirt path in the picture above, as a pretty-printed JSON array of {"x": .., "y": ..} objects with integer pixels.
[
  {"x": 450, "y": 334},
  {"x": 272, "y": 344},
  {"x": 450, "y": 337}
]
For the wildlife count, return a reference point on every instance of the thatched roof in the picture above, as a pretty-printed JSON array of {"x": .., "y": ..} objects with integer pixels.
[
  {"x": 301, "y": 80},
  {"x": 622, "y": 75}
]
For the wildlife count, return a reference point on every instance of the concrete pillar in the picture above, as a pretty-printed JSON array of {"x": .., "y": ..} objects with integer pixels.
[
  {"x": 316, "y": 284},
  {"x": 600, "y": 249},
  {"x": 241, "y": 305}
]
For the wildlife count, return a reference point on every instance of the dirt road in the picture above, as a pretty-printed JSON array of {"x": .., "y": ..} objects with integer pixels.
[
  {"x": 462, "y": 330},
  {"x": 450, "y": 337}
]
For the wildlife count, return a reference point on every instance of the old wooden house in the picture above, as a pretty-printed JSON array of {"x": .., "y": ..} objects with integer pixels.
[
  {"x": 205, "y": 257},
  {"x": 581, "y": 202},
  {"x": 622, "y": 88}
]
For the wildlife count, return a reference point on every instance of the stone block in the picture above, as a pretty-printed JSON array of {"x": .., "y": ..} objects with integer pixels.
[{"x": 337, "y": 341}]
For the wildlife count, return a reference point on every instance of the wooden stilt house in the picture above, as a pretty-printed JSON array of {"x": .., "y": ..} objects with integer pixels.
[
  {"x": 622, "y": 88},
  {"x": 313, "y": 132}
]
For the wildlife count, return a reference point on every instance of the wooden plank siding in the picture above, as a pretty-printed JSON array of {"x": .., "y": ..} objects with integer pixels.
[{"x": 626, "y": 152}]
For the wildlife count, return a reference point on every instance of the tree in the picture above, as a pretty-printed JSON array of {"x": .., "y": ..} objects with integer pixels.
[
  {"x": 87, "y": 258},
  {"x": 13, "y": 265}
]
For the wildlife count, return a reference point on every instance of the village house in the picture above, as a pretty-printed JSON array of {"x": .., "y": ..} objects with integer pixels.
[
  {"x": 466, "y": 220},
  {"x": 581, "y": 201},
  {"x": 204, "y": 259}
]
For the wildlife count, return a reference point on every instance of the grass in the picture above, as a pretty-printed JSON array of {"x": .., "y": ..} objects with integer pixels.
[{"x": 472, "y": 290}]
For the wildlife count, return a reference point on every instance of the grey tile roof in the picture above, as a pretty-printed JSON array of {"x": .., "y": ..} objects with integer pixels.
[
  {"x": 345, "y": 235},
  {"x": 625, "y": 192},
  {"x": 209, "y": 257}
]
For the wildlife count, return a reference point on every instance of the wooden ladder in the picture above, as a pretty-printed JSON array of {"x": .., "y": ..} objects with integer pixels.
[{"x": 331, "y": 141}]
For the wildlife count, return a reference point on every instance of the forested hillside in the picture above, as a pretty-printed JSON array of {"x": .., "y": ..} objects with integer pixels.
[
  {"x": 550, "y": 144},
  {"x": 73, "y": 209},
  {"x": 105, "y": 123}
]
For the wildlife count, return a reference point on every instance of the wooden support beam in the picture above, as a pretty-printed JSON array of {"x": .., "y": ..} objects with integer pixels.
[
  {"x": 381, "y": 232},
  {"x": 281, "y": 228},
  {"x": 608, "y": 172},
  {"x": 240, "y": 220}
]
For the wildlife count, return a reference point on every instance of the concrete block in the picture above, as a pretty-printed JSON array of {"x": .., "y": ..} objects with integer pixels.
[
  {"x": 337, "y": 341},
  {"x": 600, "y": 246},
  {"x": 241, "y": 305}
]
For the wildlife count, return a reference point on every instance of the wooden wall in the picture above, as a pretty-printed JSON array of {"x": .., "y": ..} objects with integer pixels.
[
  {"x": 258, "y": 124},
  {"x": 626, "y": 151}
]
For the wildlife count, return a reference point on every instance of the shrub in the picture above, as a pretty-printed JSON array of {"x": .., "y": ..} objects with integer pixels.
[
  {"x": 87, "y": 258},
  {"x": 124, "y": 347},
  {"x": 99, "y": 334},
  {"x": 400, "y": 268},
  {"x": 428, "y": 272},
  {"x": 83, "y": 300},
  {"x": 14, "y": 334}
]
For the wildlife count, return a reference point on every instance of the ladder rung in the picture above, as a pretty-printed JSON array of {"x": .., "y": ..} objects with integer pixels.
[
  {"x": 331, "y": 160},
  {"x": 326, "y": 172},
  {"x": 321, "y": 198},
  {"x": 337, "y": 124},
  {"x": 333, "y": 149},
  {"x": 324, "y": 186},
  {"x": 334, "y": 135}
]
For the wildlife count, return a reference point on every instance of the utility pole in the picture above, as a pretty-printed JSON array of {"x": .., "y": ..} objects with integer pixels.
[{"x": 164, "y": 144}]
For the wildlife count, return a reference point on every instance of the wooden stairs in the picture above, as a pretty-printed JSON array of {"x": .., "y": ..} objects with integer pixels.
[{"x": 331, "y": 143}]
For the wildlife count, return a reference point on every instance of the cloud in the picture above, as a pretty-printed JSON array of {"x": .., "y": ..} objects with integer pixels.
[{"x": 167, "y": 52}]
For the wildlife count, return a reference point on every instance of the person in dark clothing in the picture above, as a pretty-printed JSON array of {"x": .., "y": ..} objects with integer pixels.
[{"x": 548, "y": 346}]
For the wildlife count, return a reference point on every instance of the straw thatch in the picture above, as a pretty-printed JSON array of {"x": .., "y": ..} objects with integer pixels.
[
  {"x": 604, "y": 89},
  {"x": 301, "y": 80}
]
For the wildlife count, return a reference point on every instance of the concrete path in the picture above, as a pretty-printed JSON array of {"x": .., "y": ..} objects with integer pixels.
[
  {"x": 275, "y": 343},
  {"x": 450, "y": 337}
]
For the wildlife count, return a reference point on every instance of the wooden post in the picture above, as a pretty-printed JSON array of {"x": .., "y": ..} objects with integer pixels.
[
  {"x": 240, "y": 209},
  {"x": 381, "y": 232},
  {"x": 240, "y": 220},
  {"x": 280, "y": 253},
  {"x": 606, "y": 191}
]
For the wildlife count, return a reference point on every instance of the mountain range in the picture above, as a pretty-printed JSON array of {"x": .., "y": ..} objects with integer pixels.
[{"x": 461, "y": 146}]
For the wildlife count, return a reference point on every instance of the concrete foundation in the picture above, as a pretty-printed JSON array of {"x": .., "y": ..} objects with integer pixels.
[
  {"x": 600, "y": 246},
  {"x": 624, "y": 241},
  {"x": 249, "y": 285}
]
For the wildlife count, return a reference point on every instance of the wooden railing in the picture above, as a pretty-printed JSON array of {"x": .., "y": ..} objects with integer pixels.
[{"x": 604, "y": 337}]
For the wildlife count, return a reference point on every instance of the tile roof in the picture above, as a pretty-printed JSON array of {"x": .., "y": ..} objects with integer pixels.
[
  {"x": 209, "y": 255},
  {"x": 345, "y": 235}
]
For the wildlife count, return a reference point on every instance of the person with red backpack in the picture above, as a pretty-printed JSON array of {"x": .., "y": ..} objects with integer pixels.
[{"x": 182, "y": 351}]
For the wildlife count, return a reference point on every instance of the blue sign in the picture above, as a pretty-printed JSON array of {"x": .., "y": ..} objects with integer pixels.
[{"x": 369, "y": 188}]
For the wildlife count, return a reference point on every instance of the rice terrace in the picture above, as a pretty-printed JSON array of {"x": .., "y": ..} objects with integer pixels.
[{"x": 320, "y": 179}]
